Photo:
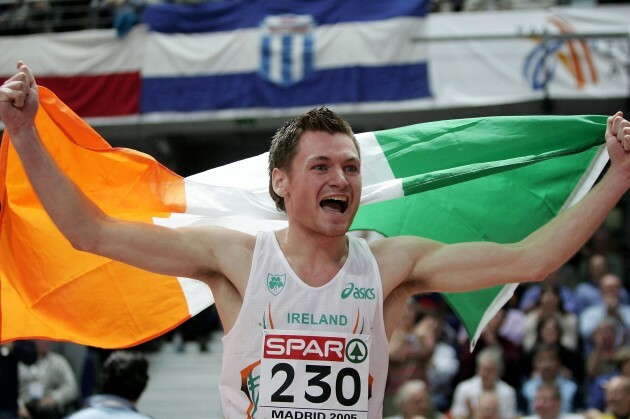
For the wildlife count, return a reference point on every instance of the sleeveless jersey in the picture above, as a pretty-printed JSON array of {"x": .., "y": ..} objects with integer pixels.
[{"x": 297, "y": 351}]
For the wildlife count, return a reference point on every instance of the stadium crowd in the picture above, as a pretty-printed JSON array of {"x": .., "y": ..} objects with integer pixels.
[{"x": 560, "y": 342}]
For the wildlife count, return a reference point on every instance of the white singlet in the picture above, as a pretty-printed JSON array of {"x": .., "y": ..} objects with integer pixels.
[{"x": 299, "y": 352}]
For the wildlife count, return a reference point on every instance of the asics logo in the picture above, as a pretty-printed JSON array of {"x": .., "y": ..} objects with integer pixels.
[{"x": 358, "y": 293}]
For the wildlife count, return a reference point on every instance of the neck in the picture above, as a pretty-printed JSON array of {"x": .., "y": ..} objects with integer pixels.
[
  {"x": 315, "y": 258},
  {"x": 487, "y": 385}
]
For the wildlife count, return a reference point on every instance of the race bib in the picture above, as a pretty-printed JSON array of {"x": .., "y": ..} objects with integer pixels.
[{"x": 314, "y": 375}]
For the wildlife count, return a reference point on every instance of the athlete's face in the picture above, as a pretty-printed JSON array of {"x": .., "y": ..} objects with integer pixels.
[{"x": 322, "y": 189}]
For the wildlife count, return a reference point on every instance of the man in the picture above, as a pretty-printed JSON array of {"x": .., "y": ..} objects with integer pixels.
[
  {"x": 414, "y": 401},
  {"x": 487, "y": 380},
  {"x": 601, "y": 359},
  {"x": 123, "y": 380},
  {"x": 617, "y": 399},
  {"x": 588, "y": 292},
  {"x": 610, "y": 306},
  {"x": 11, "y": 355},
  {"x": 488, "y": 406},
  {"x": 547, "y": 404},
  {"x": 441, "y": 364},
  {"x": 48, "y": 388},
  {"x": 330, "y": 291},
  {"x": 547, "y": 368},
  {"x": 558, "y": 279},
  {"x": 491, "y": 337},
  {"x": 596, "y": 396}
]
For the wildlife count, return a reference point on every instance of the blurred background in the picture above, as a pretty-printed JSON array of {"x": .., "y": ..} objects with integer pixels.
[{"x": 198, "y": 84}]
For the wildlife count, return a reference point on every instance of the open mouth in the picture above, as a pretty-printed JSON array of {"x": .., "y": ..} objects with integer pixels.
[{"x": 335, "y": 204}]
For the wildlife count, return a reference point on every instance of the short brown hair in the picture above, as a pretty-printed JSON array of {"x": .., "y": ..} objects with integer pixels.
[
  {"x": 285, "y": 141},
  {"x": 125, "y": 374}
]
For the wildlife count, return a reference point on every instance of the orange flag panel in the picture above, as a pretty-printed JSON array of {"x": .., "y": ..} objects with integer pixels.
[{"x": 47, "y": 288}]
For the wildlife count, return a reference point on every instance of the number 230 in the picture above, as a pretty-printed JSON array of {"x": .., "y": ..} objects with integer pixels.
[{"x": 321, "y": 372}]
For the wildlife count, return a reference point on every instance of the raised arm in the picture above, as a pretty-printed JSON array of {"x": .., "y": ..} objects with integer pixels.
[
  {"x": 193, "y": 253},
  {"x": 423, "y": 265}
]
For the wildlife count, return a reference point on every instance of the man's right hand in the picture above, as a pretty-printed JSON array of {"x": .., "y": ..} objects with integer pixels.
[{"x": 19, "y": 100}]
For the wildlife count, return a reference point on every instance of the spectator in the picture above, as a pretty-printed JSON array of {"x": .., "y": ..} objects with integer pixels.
[
  {"x": 611, "y": 306},
  {"x": 513, "y": 321},
  {"x": 547, "y": 368},
  {"x": 11, "y": 354},
  {"x": 123, "y": 380},
  {"x": 596, "y": 396},
  {"x": 617, "y": 400},
  {"x": 467, "y": 393},
  {"x": 123, "y": 14},
  {"x": 24, "y": 17},
  {"x": 601, "y": 359},
  {"x": 547, "y": 404},
  {"x": 434, "y": 304},
  {"x": 487, "y": 406},
  {"x": 77, "y": 356},
  {"x": 413, "y": 400},
  {"x": 405, "y": 356},
  {"x": 603, "y": 243},
  {"x": 440, "y": 363},
  {"x": 530, "y": 300},
  {"x": 588, "y": 293},
  {"x": 549, "y": 331},
  {"x": 550, "y": 304},
  {"x": 48, "y": 388},
  {"x": 490, "y": 337}
]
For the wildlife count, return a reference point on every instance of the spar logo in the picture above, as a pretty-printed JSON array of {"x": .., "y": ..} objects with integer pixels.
[
  {"x": 358, "y": 293},
  {"x": 287, "y": 52},
  {"x": 314, "y": 348},
  {"x": 356, "y": 351}
]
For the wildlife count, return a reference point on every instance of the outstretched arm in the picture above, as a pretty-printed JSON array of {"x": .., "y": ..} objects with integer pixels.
[
  {"x": 179, "y": 252},
  {"x": 421, "y": 265}
]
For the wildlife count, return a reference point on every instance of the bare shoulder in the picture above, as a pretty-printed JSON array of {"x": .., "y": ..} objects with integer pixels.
[
  {"x": 222, "y": 239},
  {"x": 227, "y": 259},
  {"x": 397, "y": 258},
  {"x": 223, "y": 235},
  {"x": 227, "y": 252}
]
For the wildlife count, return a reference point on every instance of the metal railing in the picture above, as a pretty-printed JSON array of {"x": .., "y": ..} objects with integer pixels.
[
  {"x": 546, "y": 39},
  {"x": 19, "y": 17}
]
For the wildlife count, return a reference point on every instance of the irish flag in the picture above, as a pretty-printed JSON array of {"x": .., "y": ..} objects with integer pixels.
[{"x": 462, "y": 180}]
